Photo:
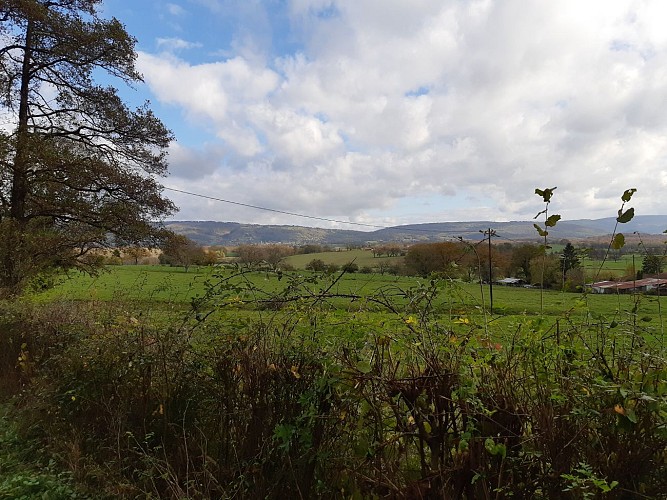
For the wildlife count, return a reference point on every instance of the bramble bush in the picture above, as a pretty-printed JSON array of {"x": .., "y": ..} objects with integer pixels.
[
  {"x": 284, "y": 404},
  {"x": 267, "y": 395}
]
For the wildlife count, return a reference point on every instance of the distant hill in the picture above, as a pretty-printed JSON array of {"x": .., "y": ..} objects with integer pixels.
[{"x": 234, "y": 233}]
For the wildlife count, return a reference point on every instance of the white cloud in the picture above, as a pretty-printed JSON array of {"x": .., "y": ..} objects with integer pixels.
[
  {"x": 175, "y": 9},
  {"x": 175, "y": 44},
  {"x": 390, "y": 100}
]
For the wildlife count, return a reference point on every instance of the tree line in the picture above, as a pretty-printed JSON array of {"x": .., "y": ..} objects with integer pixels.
[{"x": 468, "y": 261}]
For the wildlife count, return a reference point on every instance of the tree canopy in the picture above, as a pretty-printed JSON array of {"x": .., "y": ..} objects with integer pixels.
[
  {"x": 78, "y": 165},
  {"x": 569, "y": 258},
  {"x": 426, "y": 258},
  {"x": 179, "y": 250},
  {"x": 653, "y": 264}
]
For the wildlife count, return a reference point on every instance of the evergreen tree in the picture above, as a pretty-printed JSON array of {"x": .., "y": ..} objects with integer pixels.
[
  {"x": 653, "y": 264},
  {"x": 78, "y": 165},
  {"x": 569, "y": 258}
]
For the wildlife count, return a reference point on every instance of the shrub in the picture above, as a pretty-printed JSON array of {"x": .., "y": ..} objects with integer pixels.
[
  {"x": 316, "y": 265},
  {"x": 297, "y": 403},
  {"x": 333, "y": 268},
  {"x": 350, "y": 267}
]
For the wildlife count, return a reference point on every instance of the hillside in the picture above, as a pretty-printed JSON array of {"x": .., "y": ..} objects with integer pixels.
[{"x": 234, "y": 233}]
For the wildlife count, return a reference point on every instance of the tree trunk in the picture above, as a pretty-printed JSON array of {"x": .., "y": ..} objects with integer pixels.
[
  {"x": 11, "y": 275},
  {"x": 20, "y": 171}
]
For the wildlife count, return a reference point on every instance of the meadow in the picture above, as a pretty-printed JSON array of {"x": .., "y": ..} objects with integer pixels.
[
  {"x": 173, "y": 286},
  {"x": 224, "y": 382},
  {"x": 361, "y": 257}
]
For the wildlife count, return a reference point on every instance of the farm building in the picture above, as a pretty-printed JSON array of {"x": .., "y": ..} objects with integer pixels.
[
  {"x": 511, "y": 282},
  {"x": 643, "y": 285}
]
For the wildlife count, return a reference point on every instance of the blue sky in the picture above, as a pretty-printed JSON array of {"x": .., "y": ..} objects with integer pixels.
[{"x": 391, "y": 112}]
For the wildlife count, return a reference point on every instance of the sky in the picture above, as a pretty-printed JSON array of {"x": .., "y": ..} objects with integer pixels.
[{"x": 390, "y": 112}]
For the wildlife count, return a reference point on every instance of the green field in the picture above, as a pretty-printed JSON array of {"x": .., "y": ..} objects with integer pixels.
[
  {"x": 360, "y": 257},
  {"x": 617, "y": 267},
  {"x": 152, "y": 285},
  {"x": 595, "y": 269}
]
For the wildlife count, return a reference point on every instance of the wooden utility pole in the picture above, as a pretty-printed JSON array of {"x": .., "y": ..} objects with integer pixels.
[{"x": 490, "y": 232}]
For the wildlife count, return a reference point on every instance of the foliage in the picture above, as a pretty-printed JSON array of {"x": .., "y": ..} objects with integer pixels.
[
  {"x": 521, "y": 258},
  {"x": 426, "y": 258},
  {"x": 79, "y": 164},
  {"x": 179, "y": 250},
  {"x": 350, "y": 267},
  {"x": 300, "y": 401},
  {"x": 18, "y": 480},
  {"x": 316, "y": 265},
  {"x": 548, "y": 268},
  {"x": 136, "y": 253},
  {"x": 381, "y": 264},
  {"x": 254, "y": 255},
  {"x": 389, "y": 249},
  {"x": 569, "y": 258},
  {"x": 321, "y": 385},
  {"x": 653, "y": 264}
]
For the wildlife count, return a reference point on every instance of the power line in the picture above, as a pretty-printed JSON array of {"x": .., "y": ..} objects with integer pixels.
[
  {"x": 325, "y": 219},
  {"x": 273, "y": 209}
]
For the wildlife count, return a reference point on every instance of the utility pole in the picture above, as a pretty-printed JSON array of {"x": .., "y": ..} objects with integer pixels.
[{"x": 490, "y": 232}]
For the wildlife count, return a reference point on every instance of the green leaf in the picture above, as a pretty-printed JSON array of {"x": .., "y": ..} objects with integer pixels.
[
  {"x": 631, "y": 415},
  {"x": 545, "y": 193},
  {"x": 495, "y": 448},
  {"x": 628, "y": 194},
  {"x": 618, "y": 242},
  {"x": 626, "y": 216},
  {"x": 541, "y": 231},
  {"x": 364, "y": 366},
  {"x": 551, "y": 221}
]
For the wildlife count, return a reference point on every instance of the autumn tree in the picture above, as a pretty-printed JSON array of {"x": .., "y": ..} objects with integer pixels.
[
  {"x": 546, "y": 270},
  {"x": 316, "y": 265},
  {"x": 136, "y": 253},
  {"x": 179, "y": 250},
  {"x": 425, "y": 258},
  {"x": 250, "y": 255},
  {"x": 275, "y": 253},
  {"x": 521, "y": 257},
  {"x": 77, "y": 165}
]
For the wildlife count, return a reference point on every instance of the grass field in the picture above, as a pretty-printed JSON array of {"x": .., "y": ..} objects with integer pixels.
[
  {"x": 153, "y": 285},
  {"x": 593, "y": 268},
  {"x": 358, "y": 256},
  {"x": 617, "y": 267}
]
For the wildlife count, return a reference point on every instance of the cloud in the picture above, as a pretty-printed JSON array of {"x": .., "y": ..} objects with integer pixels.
[
  {"x": 388, "y": 101},
  {"x": 210, "y": 92},
  {"x": 176, "y": 44},
  {"x": 175, "y": 9},
  {"x": 189, "y": 164}
]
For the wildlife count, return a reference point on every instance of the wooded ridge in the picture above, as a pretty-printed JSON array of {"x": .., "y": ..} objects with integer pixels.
[{"x": 234, "y": 233}]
